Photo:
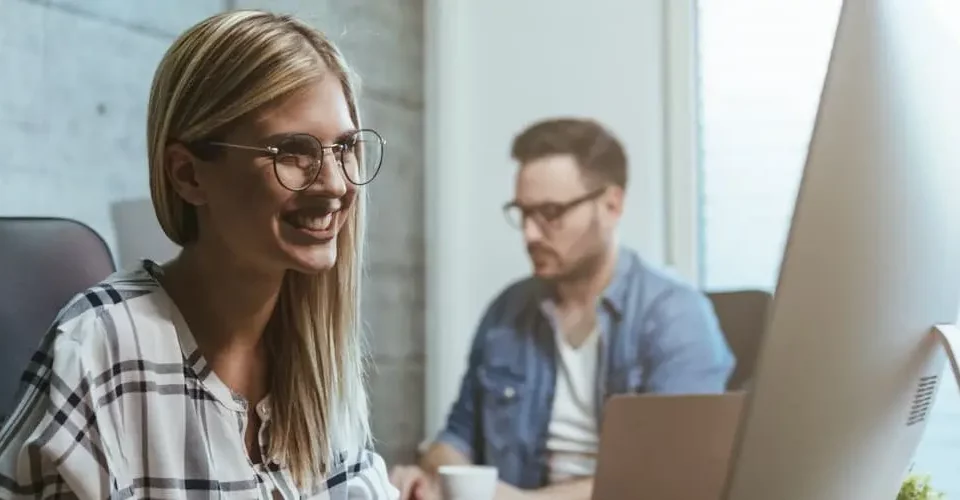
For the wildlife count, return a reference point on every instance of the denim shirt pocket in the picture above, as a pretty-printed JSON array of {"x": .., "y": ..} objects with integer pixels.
[{"x": 503, "y": 393}]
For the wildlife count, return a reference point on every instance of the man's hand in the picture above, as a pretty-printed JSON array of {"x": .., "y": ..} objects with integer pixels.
[{"x": 413, "y": 483}]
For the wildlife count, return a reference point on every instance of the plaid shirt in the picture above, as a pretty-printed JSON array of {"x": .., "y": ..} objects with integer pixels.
[{"x": 118, "y": 403}]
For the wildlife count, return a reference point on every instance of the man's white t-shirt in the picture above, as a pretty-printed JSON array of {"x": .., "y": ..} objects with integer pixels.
[{"x": 573, "y": 435}]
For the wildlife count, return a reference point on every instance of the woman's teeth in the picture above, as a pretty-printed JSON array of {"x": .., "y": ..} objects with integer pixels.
[{"x": 313, "y": 222}]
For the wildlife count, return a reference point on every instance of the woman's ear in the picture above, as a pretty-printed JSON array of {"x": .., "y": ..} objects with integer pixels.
[{"x": 180, "y": 166}]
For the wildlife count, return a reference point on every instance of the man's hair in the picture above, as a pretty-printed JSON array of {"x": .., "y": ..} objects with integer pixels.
[{"x": 600, "y": 155}]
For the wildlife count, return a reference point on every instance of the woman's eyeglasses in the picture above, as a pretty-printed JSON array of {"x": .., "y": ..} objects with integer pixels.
[{"x": 299, "y": 158}]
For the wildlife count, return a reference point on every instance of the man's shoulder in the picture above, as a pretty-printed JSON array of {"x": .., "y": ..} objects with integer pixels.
[
  {"x": 666, "y": 282},
  {"x": 658, "y": 283}
]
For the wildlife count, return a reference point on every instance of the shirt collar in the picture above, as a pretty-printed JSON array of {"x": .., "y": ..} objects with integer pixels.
[{"x": 615, "y": 295}]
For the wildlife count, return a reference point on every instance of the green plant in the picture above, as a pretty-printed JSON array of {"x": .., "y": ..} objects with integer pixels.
[{"x": 918, "y": 487}]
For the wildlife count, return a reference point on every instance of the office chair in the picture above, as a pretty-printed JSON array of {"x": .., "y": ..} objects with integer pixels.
[
  {"x": 743, "y": 318},
  {"x": 43, "y": 263}
]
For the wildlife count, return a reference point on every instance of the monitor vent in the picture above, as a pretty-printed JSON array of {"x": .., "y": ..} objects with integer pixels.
[{"x": 923, "y": 399}]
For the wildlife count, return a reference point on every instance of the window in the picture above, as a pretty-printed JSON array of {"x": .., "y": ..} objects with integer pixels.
[{"x": 761, "y": 67}]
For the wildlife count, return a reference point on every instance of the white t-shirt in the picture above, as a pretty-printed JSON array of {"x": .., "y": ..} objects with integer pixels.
[{"x": 573, "y": 435}]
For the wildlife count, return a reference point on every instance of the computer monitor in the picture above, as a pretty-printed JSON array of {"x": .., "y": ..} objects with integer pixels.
[{"x": 849, "y": 368}]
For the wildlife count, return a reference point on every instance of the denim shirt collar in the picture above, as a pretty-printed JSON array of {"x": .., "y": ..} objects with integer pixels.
[{"x": 615, "y": 295}]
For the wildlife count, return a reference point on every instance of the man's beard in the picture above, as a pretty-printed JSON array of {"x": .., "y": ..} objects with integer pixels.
[
  {"x": 585, "y": 267},
  {"x": 590, "y": 252}
]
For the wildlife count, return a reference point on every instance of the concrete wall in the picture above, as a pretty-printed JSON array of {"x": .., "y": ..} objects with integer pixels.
[{"x": 73, "y": 94}]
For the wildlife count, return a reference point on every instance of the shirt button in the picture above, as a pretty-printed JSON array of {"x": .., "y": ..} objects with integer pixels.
[
  {"x": 263, "y": 410},
  {"x": 509, "y": 393}
]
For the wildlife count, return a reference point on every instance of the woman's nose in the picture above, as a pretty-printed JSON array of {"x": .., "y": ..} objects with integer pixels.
[{"x": 331, "y": 182}]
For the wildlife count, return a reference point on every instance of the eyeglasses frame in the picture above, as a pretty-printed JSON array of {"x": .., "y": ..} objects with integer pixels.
[
  {"x": 563, "y": 208},
  {"x": 274, "y": 152}
]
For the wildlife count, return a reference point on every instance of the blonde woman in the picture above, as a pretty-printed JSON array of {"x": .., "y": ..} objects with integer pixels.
[{"x": 235, "y": 370}]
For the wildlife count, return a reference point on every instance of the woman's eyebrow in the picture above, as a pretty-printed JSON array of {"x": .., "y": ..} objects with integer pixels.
[
  {"x": 275, "y": 138},
  {"x": 346, "y": 134}
]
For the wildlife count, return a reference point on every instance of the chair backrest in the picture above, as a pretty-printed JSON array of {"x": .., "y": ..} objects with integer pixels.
[
  {"x": 43, "y": 263},
  {"x": 743, "y": 318}
]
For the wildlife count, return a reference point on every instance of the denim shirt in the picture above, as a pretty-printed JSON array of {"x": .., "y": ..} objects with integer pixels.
[{"x": 658, "y": 335}]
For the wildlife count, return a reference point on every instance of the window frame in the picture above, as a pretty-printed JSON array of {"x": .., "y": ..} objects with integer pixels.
[{"x": 682, "y": 137}]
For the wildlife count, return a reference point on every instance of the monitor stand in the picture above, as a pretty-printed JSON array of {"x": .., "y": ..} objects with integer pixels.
[{"x": 949, "y": 337}]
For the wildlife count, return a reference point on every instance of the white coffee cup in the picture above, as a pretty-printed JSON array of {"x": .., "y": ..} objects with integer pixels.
[{"x": 467, "y": 482}]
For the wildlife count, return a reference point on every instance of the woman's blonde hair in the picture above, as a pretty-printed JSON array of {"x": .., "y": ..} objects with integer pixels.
[{"x": 217, "y": 73}]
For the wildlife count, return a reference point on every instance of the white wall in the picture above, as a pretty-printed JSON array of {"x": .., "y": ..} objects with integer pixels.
[{"x": 492, "y": 68}]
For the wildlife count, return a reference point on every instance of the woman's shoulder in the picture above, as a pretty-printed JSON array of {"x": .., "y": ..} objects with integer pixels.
[
  {"x": 125, "y": 317},
  {"x": 107, "y": 342}
]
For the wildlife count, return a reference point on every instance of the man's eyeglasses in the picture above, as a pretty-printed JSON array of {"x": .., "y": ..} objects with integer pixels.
[
  {"x": 299, "y": 158},
  {"x": 545, "y": 214}
]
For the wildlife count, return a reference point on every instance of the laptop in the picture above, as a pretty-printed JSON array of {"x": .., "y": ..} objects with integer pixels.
[{"x": 666, "y": 447}]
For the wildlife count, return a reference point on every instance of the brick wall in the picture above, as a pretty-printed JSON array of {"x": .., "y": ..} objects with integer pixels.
[{"x": 73, "y": 94}]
